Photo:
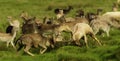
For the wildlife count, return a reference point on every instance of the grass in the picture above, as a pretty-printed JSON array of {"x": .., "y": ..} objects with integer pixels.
[{"x": 110, "y": 51}]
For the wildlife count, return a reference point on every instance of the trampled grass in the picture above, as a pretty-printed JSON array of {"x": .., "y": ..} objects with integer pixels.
[{"x": 110, "y": 51}]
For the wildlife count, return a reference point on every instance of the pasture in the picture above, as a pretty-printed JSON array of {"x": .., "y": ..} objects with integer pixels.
[{"x": 109, "y": 51}]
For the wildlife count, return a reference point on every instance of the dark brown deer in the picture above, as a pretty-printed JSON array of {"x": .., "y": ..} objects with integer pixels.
[{"x": 29, "y": 26}]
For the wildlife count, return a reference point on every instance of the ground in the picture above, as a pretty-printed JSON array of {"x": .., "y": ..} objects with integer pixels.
[{"x": 109, "y": 51}]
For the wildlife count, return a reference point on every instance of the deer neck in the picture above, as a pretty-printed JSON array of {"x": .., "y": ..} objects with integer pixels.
[
  {"x": 10, "y": 21},
  {"x": 35, "y": 28}
]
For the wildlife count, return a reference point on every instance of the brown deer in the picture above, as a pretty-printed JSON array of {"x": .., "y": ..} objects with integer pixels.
[{"x": 34, "y": 40}]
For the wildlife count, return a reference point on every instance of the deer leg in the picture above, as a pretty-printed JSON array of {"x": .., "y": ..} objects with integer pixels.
[
  {"x": 107, "y": 31},
  {"x": 85, "y": 38},
  {"x": 96, "y": 30},
  {"x": 52, "y": 45},
  {"x": 8, "y": 43},
  {"x": 70, "y": 38},
  {"x": 42, "y": 51},
  {"x": 20, "y": 47},
  {"x": 93, "y": 36},
  {"x": 27, "y": 50},
  {"x": 13, "y": 44}
]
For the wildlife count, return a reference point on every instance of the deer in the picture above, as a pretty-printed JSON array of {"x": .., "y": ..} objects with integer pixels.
[{"x": 9, "y": 37}]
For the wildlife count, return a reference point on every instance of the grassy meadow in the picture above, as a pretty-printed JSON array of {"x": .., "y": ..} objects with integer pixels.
[{"x": 110, "y": 51}]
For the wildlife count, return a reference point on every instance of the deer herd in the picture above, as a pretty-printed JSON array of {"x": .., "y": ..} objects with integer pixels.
[{"x": 33, "y": 31}]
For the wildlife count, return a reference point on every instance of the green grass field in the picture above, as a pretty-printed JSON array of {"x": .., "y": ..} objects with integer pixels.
[{"x": 110, "y": 51}]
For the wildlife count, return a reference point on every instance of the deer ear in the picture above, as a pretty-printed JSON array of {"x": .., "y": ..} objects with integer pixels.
[
  {"x": 33, "y": 18},
  {"x": 10, "y": 17},
  {"x": 56, "y": 11},
  {"x": 22, "y": 13},
  {"x": 44, "y": 18}
]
